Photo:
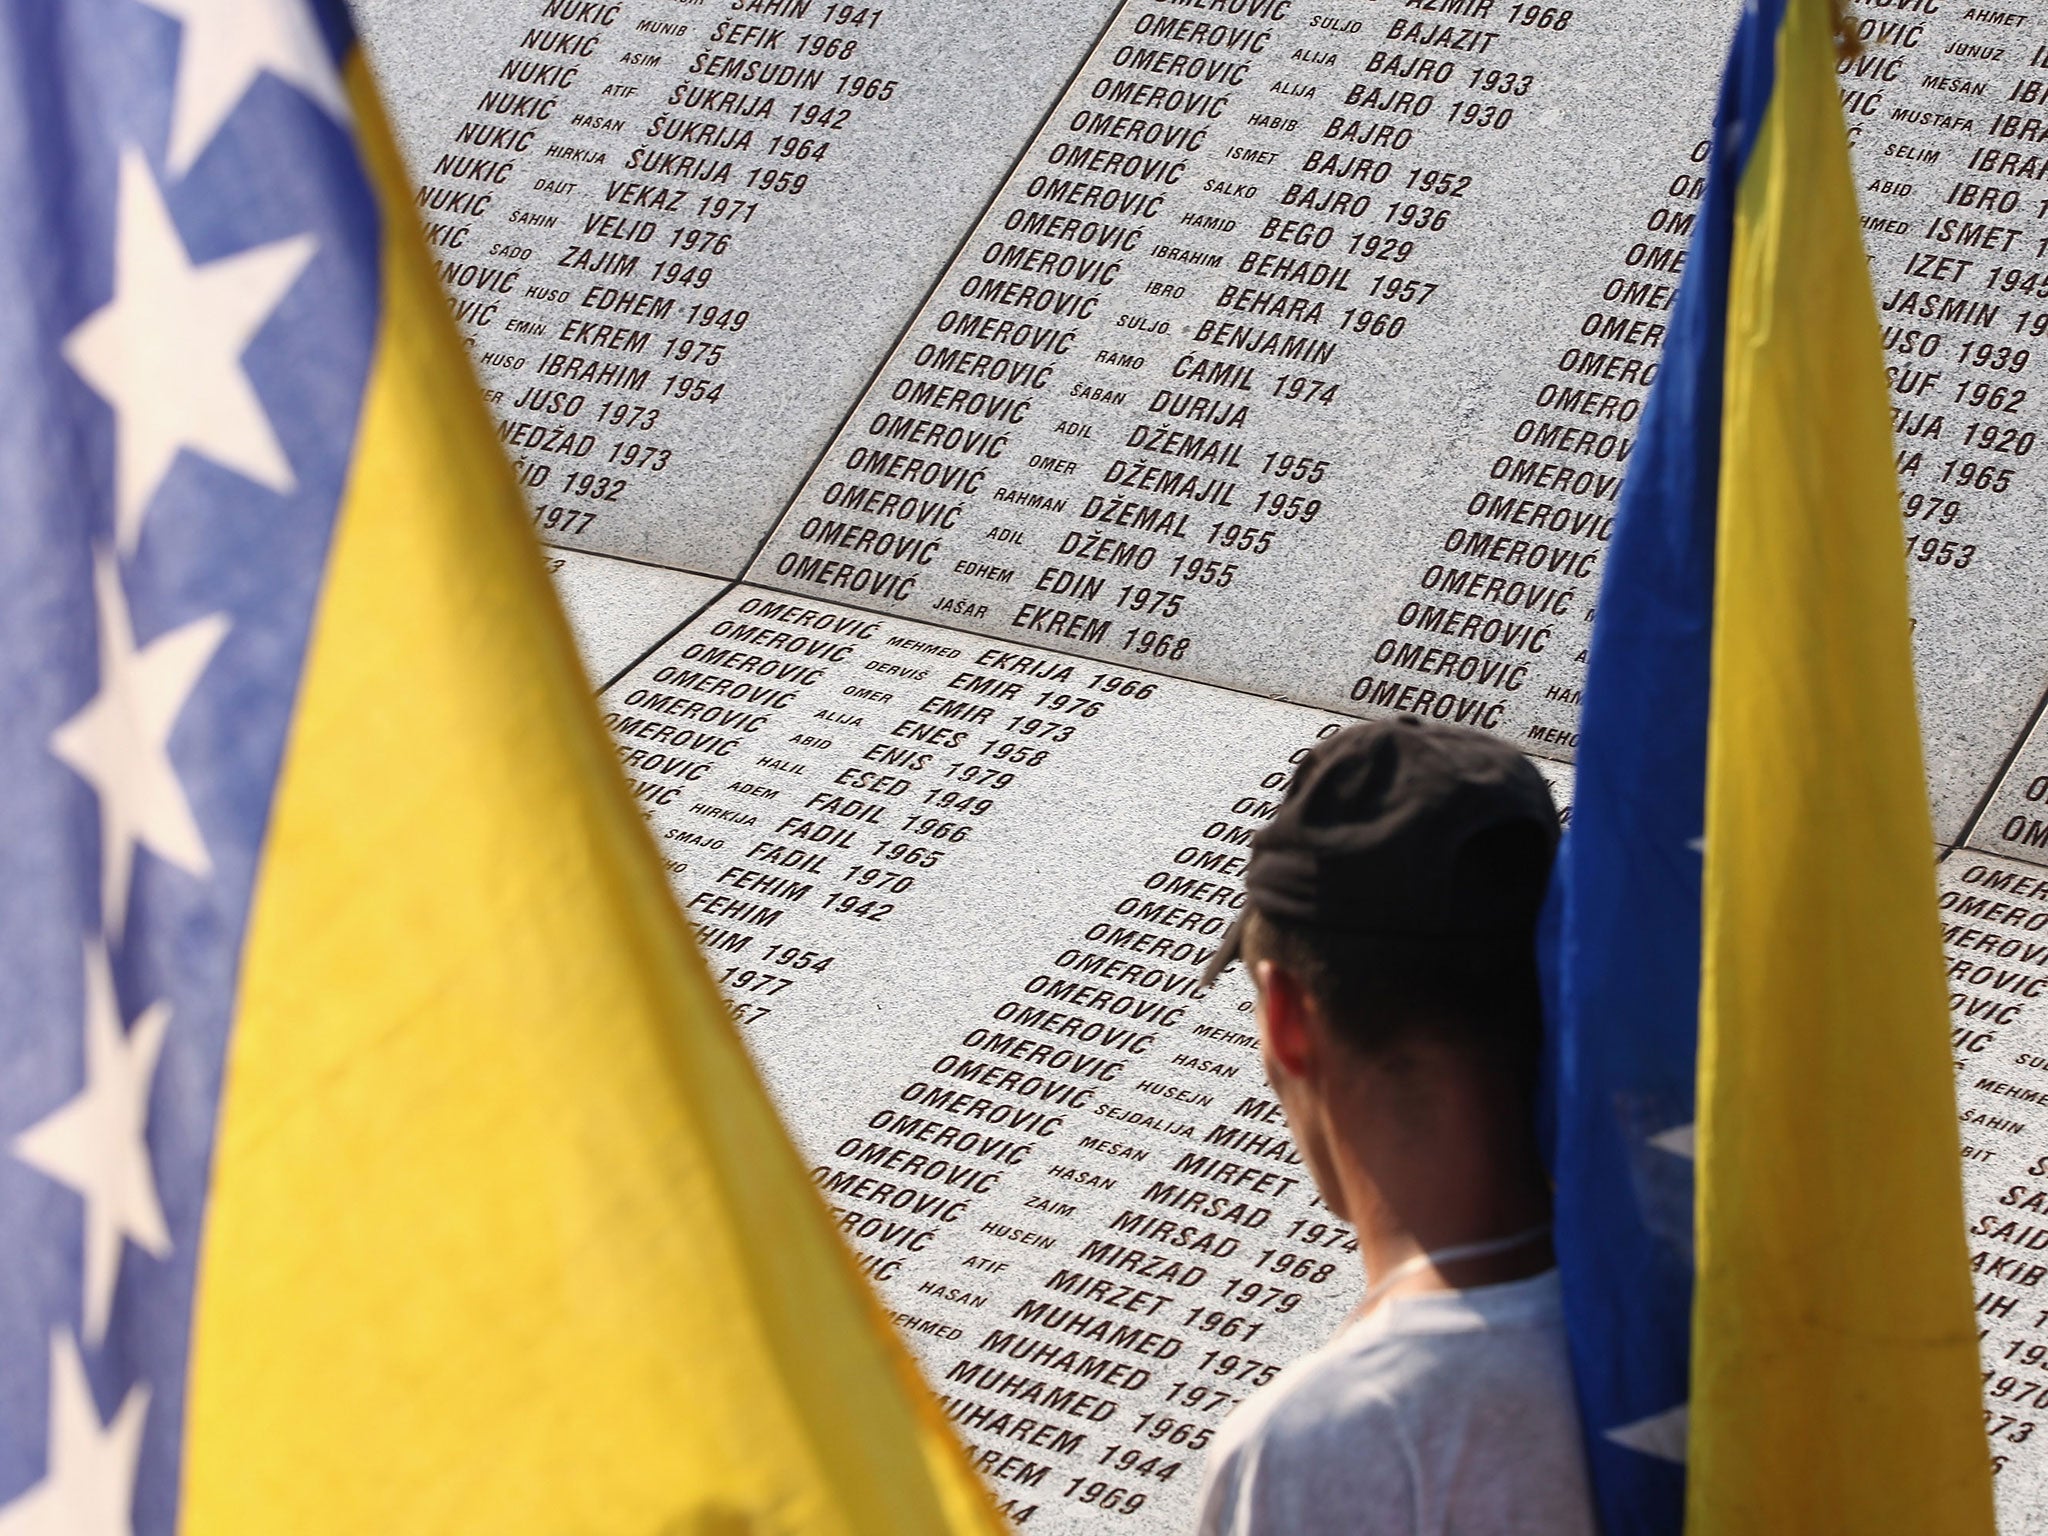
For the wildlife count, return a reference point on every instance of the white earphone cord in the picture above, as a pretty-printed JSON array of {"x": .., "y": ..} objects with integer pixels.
[{"x": 1452, "y": 1255}]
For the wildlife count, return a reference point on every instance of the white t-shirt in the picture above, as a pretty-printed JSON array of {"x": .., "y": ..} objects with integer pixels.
[{"x": 1445, "y": 1413}]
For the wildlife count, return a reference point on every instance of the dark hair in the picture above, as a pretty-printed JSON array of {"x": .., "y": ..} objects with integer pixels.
[{"x": 1475, "y": 992}]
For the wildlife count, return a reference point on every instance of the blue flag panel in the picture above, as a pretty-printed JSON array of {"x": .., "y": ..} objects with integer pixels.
[{"x": 1621, "y": 940}]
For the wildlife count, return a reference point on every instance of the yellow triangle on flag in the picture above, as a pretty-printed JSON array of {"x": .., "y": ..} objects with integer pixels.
[{"x": 504, "y": 1235}]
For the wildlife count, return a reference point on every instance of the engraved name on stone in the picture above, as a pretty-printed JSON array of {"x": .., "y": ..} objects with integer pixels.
[
  {"x": 1304, "y": 351},
  {"x": 680, "y": 235},
  {"x": 1260, "y": 352}
]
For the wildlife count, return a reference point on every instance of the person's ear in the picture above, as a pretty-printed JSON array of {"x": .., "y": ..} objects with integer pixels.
[{"x": 1290, "y": 1033}]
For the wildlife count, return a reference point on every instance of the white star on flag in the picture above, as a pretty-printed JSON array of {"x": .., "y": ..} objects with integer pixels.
[
  {"x": 89, "y": 1489},
  {"x": 119, "y": 743},
  {"x": 94, "y": 1144},
  {"x": 165, "y": 351},
  {"x": 1661, "y": 1435},
  {"x": 1679, "y": 1141},
  {"x": 226, "y": 44}
]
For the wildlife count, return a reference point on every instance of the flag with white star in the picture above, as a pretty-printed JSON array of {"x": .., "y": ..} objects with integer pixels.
[
  {"x": 1750, "y": 1112},
  {"x": 375, "y": 1151},
  {"x": 186, "y": 218}
]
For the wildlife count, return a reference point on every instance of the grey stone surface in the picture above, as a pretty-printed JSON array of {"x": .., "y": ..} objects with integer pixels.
[
  {"x": 1059, "y": 448},
  {"x": 619, "y": 608},
  {"x": 960, "y": 892},
  {"x": 676, "y": 280},
  {"x": 1958, "y": 235},
  {"x": 1249, "y": 419},
  {"x": 2014, "y": 821},
  {"x": 1479, "y": 307}
]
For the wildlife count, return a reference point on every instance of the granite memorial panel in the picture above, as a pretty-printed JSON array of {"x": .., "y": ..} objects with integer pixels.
[
  {"x": 960, "y": 892},
  {"x": 680, "y": 234},
  {"x": 619, "y": 609},
  {"x": 1319, "y": 378},
  {"x": 1995, "y": 924}
]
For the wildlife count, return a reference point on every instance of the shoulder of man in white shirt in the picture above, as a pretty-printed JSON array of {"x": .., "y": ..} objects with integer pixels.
[{"x": 1447, "y": 1411}]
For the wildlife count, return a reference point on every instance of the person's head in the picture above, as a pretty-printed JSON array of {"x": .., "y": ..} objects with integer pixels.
[{"x": 1389, "y": 930}]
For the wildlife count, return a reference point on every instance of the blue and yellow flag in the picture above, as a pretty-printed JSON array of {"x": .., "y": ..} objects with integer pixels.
[
  {"x": 1759, "y": 1203},
  {"x": 375, "y": 1153}
]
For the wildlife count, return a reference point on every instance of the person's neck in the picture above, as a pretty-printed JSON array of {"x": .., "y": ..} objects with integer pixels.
[{"x": 1449, "y": 1164}]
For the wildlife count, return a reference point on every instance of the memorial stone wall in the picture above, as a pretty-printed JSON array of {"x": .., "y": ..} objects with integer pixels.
[{"x": 983, "y": 445}]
